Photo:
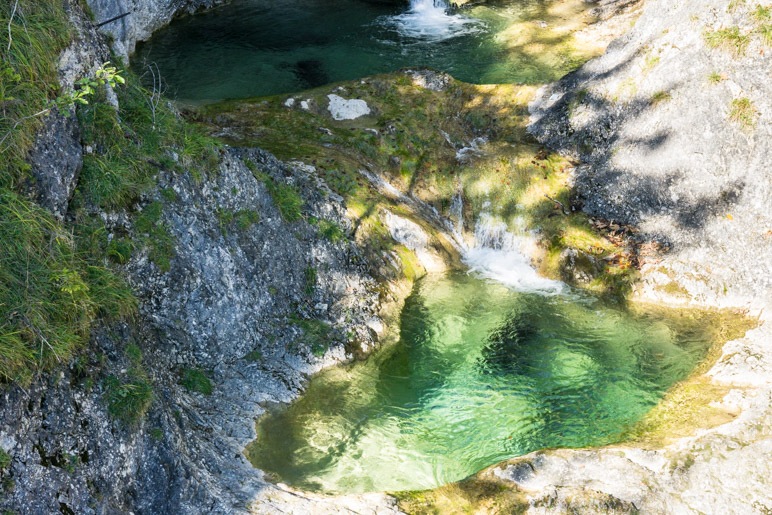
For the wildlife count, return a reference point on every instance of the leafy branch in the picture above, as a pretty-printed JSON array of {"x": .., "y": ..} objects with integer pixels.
[{"x": 84, "y": 88}]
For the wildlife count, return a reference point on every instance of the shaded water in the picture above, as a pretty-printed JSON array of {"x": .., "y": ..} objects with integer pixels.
[
  {"x": 481, "y": 373},
  {"x": 262, "y": 47}
]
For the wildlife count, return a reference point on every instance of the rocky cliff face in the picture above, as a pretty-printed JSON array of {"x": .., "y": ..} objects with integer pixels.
[
  {"x": 232, "y": 304},
  {"x": 240, "y": 307},
  {"x": 672, "y": 130},
  {"x": 139, "y": 18}
]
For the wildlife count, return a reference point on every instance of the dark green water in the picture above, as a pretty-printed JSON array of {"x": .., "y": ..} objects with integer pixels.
[
  {"x": 262, "y": 47},
  {"x": 481, "y": 374}
]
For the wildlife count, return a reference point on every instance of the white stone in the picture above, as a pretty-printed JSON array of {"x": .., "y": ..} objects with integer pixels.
[
  {"x": 342, "y": 109},
  {"x": 289, "y": 102}
]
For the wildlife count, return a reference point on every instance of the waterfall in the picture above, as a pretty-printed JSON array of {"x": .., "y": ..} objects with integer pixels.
[
  {"x": 499, "y": 254},
  {"x": 431, "y": 20}
]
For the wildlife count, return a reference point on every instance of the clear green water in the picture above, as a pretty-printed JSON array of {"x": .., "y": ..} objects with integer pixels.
[
  {"x": 253, "y": 48},
  {"x": 481, "y": 374}
]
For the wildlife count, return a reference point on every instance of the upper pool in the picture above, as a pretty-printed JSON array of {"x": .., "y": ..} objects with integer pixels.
[{"x": 253, "y": 48}]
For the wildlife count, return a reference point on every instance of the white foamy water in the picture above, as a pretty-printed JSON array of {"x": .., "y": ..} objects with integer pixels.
[
  {"x": 430, "y": 20},
  {"x": 499, "y": 255}
]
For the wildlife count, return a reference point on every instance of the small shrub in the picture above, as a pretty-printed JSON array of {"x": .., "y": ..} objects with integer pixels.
[{"x": 195, "y": 380}]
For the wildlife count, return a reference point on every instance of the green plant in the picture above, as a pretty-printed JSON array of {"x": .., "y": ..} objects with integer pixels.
[
  {"x": 285, "y": 196},
  {"x": 34, "y": 33},
  {"x": 316, "y": 334},
  {"x": 660, "y": 96},
  {"x": 729, "y": 38},
  {"x": 50, "y": 290},
  {"x": 244, "y": 219},
  {"x": 5, "y": 459},
  {"x": 157, "y": 434},
  {"x": 128, "y": 401},
  {"x": 330, "y": 230},
  {"x": 716, "y": 77},
  {"x": 195, "y": 380},
  {"x": 254, "y": 356},
  {"x": 743, "y": 112},
  {"x": 130, "y": 398},
  {"x": 762, "y": 14},
  {"x": 310, "y": 277}
]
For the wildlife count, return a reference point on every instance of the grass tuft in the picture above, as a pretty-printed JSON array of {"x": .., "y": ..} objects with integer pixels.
[
  {"x": 729, "y": 38},
  {"x": 287, "y": 200},
  {"x": 195, "y": 380},
  {"x": 129, "y": 398},
  {"x": 743, "y": 112}
]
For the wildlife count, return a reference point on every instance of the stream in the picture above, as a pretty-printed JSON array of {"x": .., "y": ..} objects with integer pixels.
[{"x": 491, "y": 363}]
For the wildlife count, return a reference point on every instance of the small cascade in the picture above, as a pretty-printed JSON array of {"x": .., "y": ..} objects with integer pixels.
[
  {"x": 431, "y": 20},
  {"x": 499, "y": 254}
]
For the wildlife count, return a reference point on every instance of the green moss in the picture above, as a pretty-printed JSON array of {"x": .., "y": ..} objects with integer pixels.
[
  {"x": 473, "y": 495},
  {"x": 690, "y": 404},
  {"x": 196, "y": 380}
]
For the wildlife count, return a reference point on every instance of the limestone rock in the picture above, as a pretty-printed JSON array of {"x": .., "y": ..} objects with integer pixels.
[{"x": 343, "y": 109}]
